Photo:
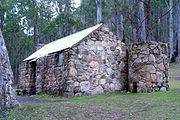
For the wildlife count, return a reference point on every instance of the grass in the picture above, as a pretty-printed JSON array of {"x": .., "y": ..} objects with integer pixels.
[{"x": 120, "y": 105}]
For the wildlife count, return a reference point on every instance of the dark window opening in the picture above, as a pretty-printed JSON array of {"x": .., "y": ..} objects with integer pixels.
[
  {"x": 60, "y": 59},
  {"x": 134, "y": 89}
]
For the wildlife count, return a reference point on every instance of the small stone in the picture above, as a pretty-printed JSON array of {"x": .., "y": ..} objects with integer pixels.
[
  {"x": 97, "y": 90},
  {"x": 118, "y": 86},
  {"x": 112, "y": 48},
  {"x": 112, "y": 86},
  {"x": 94, "y": 65},
  {"x": 148, "y": 68},
  {"x": 109, "y": 71},
  {"x": 90, "y": 42},
  {"x": 145, "y": 52},
  {"x": 72, "y": 72},
  {"x": 102, "y": 81},
  {"x": 118, "y": 48},
  {"x": 161, "y": 66},
  {"x": 92, "y": 48},
  {"x": 109, "y": 51},
  {"x": 76, "y": 84},
  {"x": 151, "y": 69},
  {"x": 159, "y": 76},
  {"x": 85, "y": 86},
  {"x": 134, "y": 56},
  {"x": 138, "y": 60},
  {"x": 145, "y": 59},
  {"x": 78, "y": 94},
  {"x": 163, "y": 89},
  {"x": 153, "y": 78},
  {"x": 100, "y": 48},
  {"x": 152, "y": 58}
]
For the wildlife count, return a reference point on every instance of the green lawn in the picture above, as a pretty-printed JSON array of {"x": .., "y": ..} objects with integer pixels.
[{"x": 121, "y": 105}]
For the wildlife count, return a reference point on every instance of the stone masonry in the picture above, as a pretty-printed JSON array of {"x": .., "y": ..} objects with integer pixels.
[
  {"x": 99, "y": 64},
  {"x": 46, "y": 77},
  {"x": 148, "y": 67}
]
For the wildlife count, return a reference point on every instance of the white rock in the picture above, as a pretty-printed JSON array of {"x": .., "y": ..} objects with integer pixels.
[
  {"x": 152, "y": 58},
  {"x": 102, "y": 81},
  {"x": 97, "y": 90},
  {"x": 163, "y": 89},
  {"x": 85, "y": 86},
  {"x": 76, "y": 84}
]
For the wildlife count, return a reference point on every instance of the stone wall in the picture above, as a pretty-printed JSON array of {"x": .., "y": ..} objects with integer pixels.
[
  {"x": 24, "y": 76},
  {"x": 47, "y": 75},
  {"x": 148, "y": 67},
  {"x": 50, "y": 77},
  {"x": 97, "y": 65}
]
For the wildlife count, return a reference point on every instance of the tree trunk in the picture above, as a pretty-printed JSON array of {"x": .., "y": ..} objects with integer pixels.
[
  {"x": 149, "y": 19},
  {"x": 34, "y": 3},
  {"x": 7, "y": 96},
  {"x": 16, "y": 69},
  {"x": 2, "y": 20},
  {"x": 134, "y": 34},
  {"x": 178, "y": 24},
  {"x": 99, "y": 10},
  {"x": 142, "y": 30},
  {"x": 121, "y": 28},
  {"x": 117, "y": 19},
  {"x": 67, "y": 17},
  {"x": 83, "y": 19},
  {"x": 171, "y": 29}
]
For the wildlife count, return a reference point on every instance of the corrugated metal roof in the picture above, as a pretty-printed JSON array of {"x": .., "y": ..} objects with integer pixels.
[{"x": 61, "y": 44}]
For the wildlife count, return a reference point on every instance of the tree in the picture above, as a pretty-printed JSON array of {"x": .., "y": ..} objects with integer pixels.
[
  {"x": 67, "y": 6},
  {"x": 117, "y": 19},
  {"x": 7, "y": 96},
  {"x": 149, "y": 20},
  {"x": 99, "y": 10},
  {"x": 35, "y": 24},
  {"x": 171, "y": 29},
  {"x": 178, "y": 24},
  {"x": 141, "y": 22}
]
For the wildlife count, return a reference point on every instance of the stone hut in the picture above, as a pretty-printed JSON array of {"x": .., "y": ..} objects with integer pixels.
[{"x": 92, "y": 61}]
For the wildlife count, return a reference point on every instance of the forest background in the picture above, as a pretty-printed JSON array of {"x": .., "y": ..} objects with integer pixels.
[{"x": 27, "y": 23}]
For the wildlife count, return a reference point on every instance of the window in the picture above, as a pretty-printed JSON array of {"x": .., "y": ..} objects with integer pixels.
[{"x": 60, "y": 59}]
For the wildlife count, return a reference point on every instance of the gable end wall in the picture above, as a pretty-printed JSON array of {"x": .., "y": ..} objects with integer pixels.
[{"x": 97, "y": 65}]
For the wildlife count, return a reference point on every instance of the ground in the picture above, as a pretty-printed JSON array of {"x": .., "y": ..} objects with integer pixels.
[{"x": 115, "y": 106}]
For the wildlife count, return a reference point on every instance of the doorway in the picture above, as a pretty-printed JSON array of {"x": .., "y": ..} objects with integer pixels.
[
  {"x": 134, "y": 90},
  {"x": 32, "y": 78}
]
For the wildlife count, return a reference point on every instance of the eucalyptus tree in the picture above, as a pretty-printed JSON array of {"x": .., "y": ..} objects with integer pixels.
[
  {"x": 171, "y": 29},
  {"x": 117, "y": 17},
  {"x": 178, "y": 24},
  {"x": 7, "y": 95},
  {"x": 141, "y": 22},
  {"x": 99, "y": 11},
  {"x": 67, "y": 7}
]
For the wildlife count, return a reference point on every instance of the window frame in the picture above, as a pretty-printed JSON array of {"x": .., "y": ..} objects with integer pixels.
[{"x": 60, "y": 59}]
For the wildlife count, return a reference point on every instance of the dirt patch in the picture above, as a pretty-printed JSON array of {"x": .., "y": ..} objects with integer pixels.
[{"x": 31, "y": 100}]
